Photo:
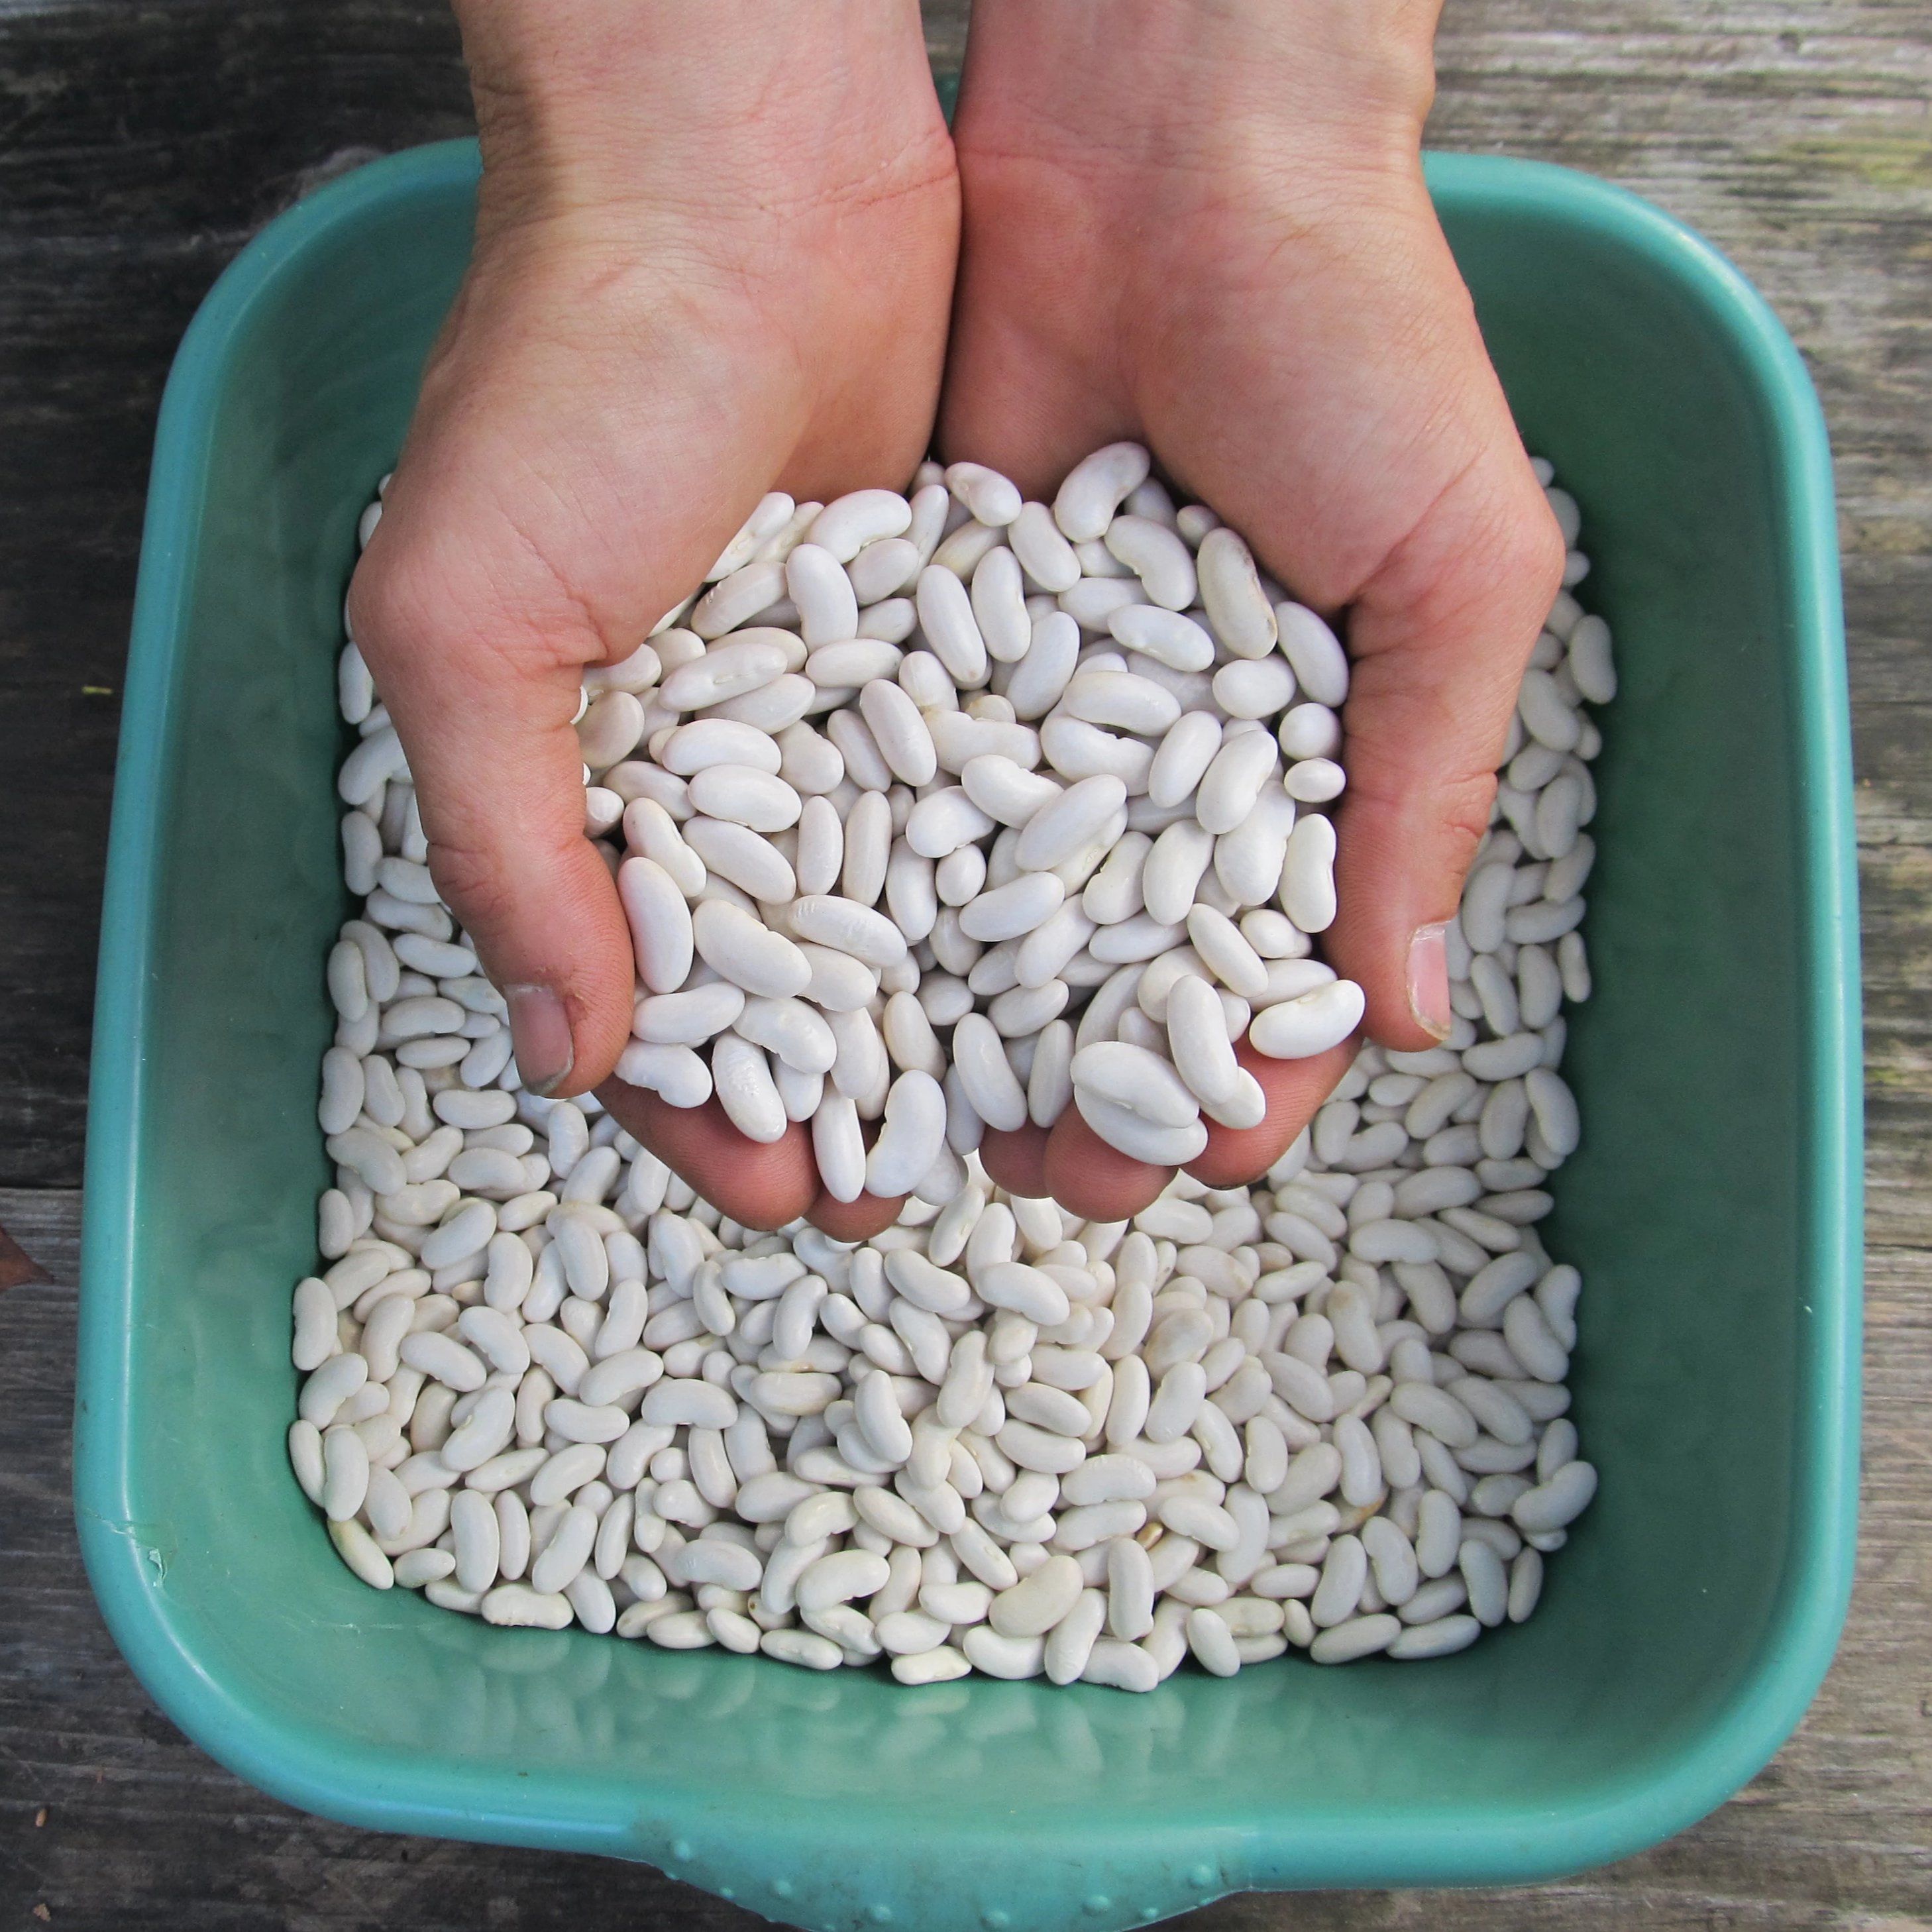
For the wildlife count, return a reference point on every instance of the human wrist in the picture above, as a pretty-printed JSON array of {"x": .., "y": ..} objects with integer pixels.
[
  {"x": 1222, "y": 85},
  {"x": 666, "y": 110}
]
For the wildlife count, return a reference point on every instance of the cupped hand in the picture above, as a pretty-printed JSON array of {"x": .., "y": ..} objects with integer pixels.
[
  {"x": 714, "y": 250},
  {"x": 1204, "y": 226}
]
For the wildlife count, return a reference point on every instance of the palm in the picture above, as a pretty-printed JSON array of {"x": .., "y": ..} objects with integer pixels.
[{"x": 1322, "y": 384}]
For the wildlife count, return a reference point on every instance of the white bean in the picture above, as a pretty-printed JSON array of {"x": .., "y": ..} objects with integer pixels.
[
  {"x": 1310, "y": 1023},
  {"x": 1096, "y": 486},
  {"x": 1231, "y": 593}
]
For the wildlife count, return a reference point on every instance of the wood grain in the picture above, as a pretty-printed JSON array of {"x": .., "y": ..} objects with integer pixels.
[{"x": 139, "y": 148}]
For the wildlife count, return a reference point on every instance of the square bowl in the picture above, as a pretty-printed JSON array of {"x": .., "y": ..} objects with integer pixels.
[{"x": 1713, "y": 1207}]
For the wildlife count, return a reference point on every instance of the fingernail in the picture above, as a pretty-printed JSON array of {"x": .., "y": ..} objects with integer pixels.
[
  {"x": 1428, "y": 980},
  {"x": 540, "y": 1032}
]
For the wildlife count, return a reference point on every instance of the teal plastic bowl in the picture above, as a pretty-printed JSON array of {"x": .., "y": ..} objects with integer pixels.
[{"x": 1714, "y": 1208}]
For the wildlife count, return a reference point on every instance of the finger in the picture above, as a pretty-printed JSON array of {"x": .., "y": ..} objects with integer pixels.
[
  {"x": 1016, "y": 1159},
  {"x": 763, "y": 1185},
  {"x": 1440, "y": 635},
  {"x": 1236, "y": 1157},
  {"x": 857, "y": 1220},
  {"x": 1088, "y": 1177},
  {"x": 499, "y": 787}
]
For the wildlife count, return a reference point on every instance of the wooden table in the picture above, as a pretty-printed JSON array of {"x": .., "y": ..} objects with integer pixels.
[{"x": 139, "y": 148}]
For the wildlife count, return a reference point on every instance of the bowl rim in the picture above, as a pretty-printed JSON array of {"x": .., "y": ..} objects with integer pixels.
[{"x": 1493, "y": 1846}]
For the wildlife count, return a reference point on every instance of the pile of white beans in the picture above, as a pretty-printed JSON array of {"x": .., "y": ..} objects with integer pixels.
[
  {"x": 544, "y": 1383},
  {"x": 1030, "y": 798}
]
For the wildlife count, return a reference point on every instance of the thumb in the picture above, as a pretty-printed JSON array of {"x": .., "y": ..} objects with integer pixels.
[
  {"x": 1440, "y": 635},
  {"x": 484, "y": 715}
]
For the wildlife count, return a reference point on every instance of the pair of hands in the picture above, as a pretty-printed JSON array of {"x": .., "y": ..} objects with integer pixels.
[{"x": 715, "y": 254}]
